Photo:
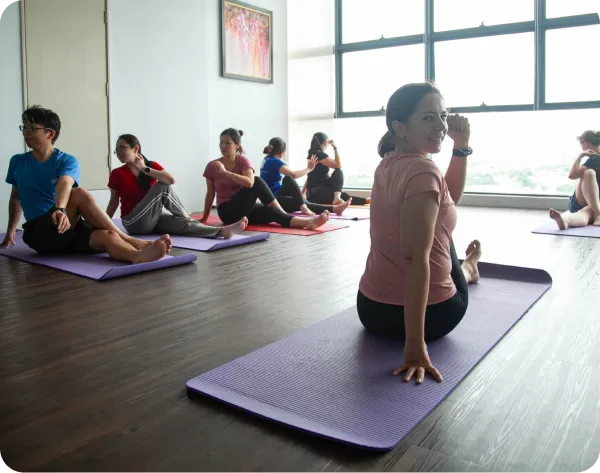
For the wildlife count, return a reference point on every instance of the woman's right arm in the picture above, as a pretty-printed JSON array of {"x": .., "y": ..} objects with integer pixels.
[
  {"x": 298, "y": 174},
  {"x": 418, "y": 219},
  {"x": 113, "y": 203},
  {"x": 577, "y": 169},
  {"x": 208, "y": 201}
]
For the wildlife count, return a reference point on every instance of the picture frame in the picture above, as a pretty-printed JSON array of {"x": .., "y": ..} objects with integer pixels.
[{"x": 246, "y": 42}]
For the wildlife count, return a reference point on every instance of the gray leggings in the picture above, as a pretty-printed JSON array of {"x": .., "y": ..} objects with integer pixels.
[{"x": 148, "y": 216}]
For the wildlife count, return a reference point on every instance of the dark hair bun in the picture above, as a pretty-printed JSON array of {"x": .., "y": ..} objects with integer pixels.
[
  {"x": 241, "y": 132},
  {"x": 268, "y": 149}
]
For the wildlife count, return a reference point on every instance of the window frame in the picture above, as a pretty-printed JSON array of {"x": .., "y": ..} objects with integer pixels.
[{"x": 538, "y": 26}]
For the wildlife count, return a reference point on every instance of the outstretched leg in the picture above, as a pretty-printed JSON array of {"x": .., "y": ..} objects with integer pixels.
[
  {"x": 185, "y": 226},
  {"x": 581, "y": 218},
  {"x": 118, "y": 249},
  {"x": 81, "y": 203}
]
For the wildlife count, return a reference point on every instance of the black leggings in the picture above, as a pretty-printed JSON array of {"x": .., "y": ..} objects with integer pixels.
[
  {"x": 291, "y": 199},
  {"x": 440, "y": 319},
  {"x": 322, "y": 193},
  {"x": 243, "y": 204}
]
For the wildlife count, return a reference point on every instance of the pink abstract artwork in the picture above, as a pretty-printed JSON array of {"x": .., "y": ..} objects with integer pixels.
[{"x": 247, "y": 42}]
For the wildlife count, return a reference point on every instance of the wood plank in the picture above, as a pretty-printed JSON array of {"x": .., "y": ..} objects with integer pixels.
[{"x": 93, "y": 374}]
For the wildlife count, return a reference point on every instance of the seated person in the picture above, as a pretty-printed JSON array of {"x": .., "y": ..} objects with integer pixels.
[
  {"x": 61, "y": 217},
  {"x": 282, "y": 182},
  {"x": 145, "y": 190},
  {"x": 232, "y": 179},
  {"x": 584, "y": 204},
  {"x": 414, "y": 287},
  {"x": 321, "y": 187}
]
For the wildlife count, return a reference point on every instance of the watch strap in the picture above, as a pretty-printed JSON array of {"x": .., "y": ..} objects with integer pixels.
[{"x": 462, "y": 152}]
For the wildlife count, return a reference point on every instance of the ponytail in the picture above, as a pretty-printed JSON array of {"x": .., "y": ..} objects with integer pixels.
[
  {"x": 317, "y": 142},
  {"x": 387, "y": 144}
]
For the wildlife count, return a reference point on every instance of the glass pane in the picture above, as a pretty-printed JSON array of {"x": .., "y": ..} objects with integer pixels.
[
  {"x": 371, "y": 77},
  {"x": 367, "y": 20},
  {"x": 535, "y": 166},
  {"x": 572, "y": 67},
  {"x": 459, "y": 14},
  {"x": 311, "y": 87},
  {"x": 319, "y": 14},
  {"x": 497, "y": 70},
  {"x": 360, "y": 137},
  {"x": 557, "y": 8}
]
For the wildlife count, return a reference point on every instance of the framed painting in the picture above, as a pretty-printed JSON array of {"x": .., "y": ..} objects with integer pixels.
[{"x": 246, "y": 42}]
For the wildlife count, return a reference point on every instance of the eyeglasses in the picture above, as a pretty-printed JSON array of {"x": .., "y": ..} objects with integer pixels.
[
  {"x": 31, "y": 129},
  {"x": 121, "y": 148}
]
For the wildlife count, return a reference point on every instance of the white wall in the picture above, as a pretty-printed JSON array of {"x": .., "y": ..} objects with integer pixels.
[
  {"x": 11, "y": 99},
  {"x": 165, "y": 87}
]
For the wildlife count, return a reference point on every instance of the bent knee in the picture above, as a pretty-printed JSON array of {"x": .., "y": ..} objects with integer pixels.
[
  {"x": 80, "y": 194},
  {"x": 590, "y": 173}
]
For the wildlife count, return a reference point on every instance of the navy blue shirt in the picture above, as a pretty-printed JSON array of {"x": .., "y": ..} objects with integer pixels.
[
  {"x": 269, "y": 172},
  {"x": 36, "y": 182}
]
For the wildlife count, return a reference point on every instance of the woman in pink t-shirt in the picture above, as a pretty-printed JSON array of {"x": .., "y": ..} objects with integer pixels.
[
  {"x": 232, "y": 179},
  {"x": 414, "y": 287}
]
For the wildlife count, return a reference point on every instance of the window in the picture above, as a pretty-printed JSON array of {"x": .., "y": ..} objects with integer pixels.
[
  {"x": 374, "y": 19},
  {"x": 489, "y": 74},
  {"x": 558, "y": 8},
  {"x": 370, "y": 77},
  {"x": 458, "y": 14},
  {"x": 523, "y": 71},
  {"x": 572, "y": 65}
]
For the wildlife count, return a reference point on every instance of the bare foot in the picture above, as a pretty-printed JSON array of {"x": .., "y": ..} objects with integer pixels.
[
  {"x": 137, "y": 243},
  {"x": 470, "y": 263},
  {"x": 339, "y": 209},
  {"x": 168, "y": 242},
  {"x": 318, "y": 221},
  {"x": 156, "y": 250},
  {"x": 306, "y": 211},
  {"x": 233, "y": 229},
  {"x": 558, "y": 218},
  {"x": 337, "y": 202},
  {"x": 596, "y": 220}
]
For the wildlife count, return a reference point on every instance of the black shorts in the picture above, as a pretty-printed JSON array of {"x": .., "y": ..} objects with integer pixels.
[
  {"x": 41, "y": 235},
  {"x": 574, "y": 206}
]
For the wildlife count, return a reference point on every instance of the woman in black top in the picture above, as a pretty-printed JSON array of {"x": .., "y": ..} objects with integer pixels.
[
  {"x": 584, "y": 205},
  {"x": 321, "y": 187}
]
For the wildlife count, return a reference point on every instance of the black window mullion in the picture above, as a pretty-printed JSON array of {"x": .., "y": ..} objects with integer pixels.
[
  {"x": 429, "y": 43},
  {"x": 540, "y": 54}
]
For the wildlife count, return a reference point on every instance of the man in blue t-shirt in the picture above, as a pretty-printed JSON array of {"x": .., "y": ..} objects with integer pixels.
[{"x": 61, "y": 217}]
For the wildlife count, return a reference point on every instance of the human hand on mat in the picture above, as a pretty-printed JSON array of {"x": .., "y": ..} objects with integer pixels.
[
  {"x": 459, "y": 130},
  {"x": 61, "y": 221},
  {"x": 417, "y": 362},
  {"x": 9, "y": 240}
]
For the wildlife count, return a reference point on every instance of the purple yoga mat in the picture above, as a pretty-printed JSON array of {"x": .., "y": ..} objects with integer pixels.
[
  {"x": 204, "y": 244},
  {"x": 95, "y": 266},
  {"x": 551, "y": 228},
  {"x": 334, "y": 379},
  {"x": 350, "y": 213}
]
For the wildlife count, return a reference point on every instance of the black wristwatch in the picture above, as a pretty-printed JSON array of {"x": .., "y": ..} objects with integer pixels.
[
  {"x": 462, "y": 152},
  {"x": 147, "y": 170},
  {"x": 61, "y": 210}
]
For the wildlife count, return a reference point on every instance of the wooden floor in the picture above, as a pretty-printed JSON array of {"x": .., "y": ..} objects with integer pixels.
[{"x": 93, "y": 374}]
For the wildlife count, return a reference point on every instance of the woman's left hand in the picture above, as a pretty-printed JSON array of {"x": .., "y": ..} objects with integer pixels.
[
  {"x": 139, "y": 163},
  {"x": 459, "y": 130}
]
